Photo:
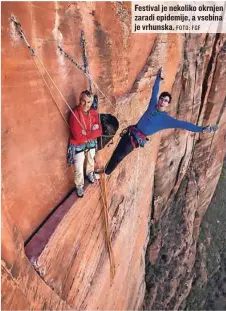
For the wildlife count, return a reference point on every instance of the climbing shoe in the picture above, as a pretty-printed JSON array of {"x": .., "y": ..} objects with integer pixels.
[
  {"x": 80, "y": 191},
  {"x": 99, "y": 171},
  {"x": 210, "y": 129},
  {"x": 91, "y": 177},
  {"x": 96, "y": 176}
]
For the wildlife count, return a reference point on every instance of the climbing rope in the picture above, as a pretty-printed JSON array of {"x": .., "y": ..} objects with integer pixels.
[
  {"x": 106, "y": 222},
  {"x": 79, "y": 67},
  {"x": 86, "y": 73},
  {"x": 32, "y": 52},
  {"x": 62, "y": 96},
  {"x": 55, "y": 101}
]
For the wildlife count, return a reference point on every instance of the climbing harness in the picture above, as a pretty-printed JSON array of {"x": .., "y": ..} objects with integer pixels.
[
  {"x": 85, "y": 70},
  {"x": 138, "y": 137}
]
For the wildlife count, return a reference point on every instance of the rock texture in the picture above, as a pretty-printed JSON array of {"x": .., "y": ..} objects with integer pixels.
[
  {"x": 209, "y": 283},
  {"x": 182, "y": 196},
  {"x": 175, "y": 174}
]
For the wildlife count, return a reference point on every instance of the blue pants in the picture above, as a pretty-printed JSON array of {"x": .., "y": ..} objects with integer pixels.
[{"x": 123, "y": 148}]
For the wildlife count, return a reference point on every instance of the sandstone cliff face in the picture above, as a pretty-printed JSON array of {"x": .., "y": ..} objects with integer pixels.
[
  {"x": 72, "y": 269},
  {"x": 208, "y": 289},
  {"x": 185, "y": 180}
]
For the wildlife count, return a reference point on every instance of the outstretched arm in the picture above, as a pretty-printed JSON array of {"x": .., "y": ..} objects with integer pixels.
[
  {"x": 155, "y": 90},
  {"x": 180, "y": 124},
  {"x": 171, "y": 122}
]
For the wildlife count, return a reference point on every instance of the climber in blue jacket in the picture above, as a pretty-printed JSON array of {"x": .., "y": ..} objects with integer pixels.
[{"x": 153, "y": 120}]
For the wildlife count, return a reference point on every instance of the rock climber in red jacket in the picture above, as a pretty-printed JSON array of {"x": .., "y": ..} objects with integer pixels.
[{"x": 85, "y": 128}]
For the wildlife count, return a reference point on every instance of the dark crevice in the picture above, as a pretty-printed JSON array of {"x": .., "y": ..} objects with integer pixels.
[
  {"x": 221, "y": 112},
  {"x": 205, "y": 85},
  {"x": 153, "y": 207},
  {"x": 196, "y": 70},
  {"x": 211, "y": 104},
  {"x": 104, "y": 48},
  {"x": 135, "y": 85},
  {"x": 179, "y": 168},
  {"x": 118, "y": 205},
  {"x": 208, "y": 73},
  {"x": 49, "y": 215},
  {"x": 182, "y": 87}
]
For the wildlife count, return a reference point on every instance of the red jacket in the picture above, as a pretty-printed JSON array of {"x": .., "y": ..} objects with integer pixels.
[{"x": 88, "y": 128}]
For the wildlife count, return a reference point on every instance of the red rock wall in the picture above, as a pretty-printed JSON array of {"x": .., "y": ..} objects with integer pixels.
[
  {"x": 22, "y": 288},
  {"x": 74, "y": 267},
  {"x": 34, "y": 140},
  {"x": 190, "y": 174}
]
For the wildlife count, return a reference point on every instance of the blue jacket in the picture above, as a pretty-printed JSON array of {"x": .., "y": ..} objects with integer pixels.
[{"x": 153, "y": 120}]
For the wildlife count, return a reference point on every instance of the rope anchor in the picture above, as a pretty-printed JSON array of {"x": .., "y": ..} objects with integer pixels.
[
  {"x": 13, "y": 18},
  {"x": 84, "y": 70},
  {"x": 20, "y": 30},
  {"x": 70, "y": 58}
]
